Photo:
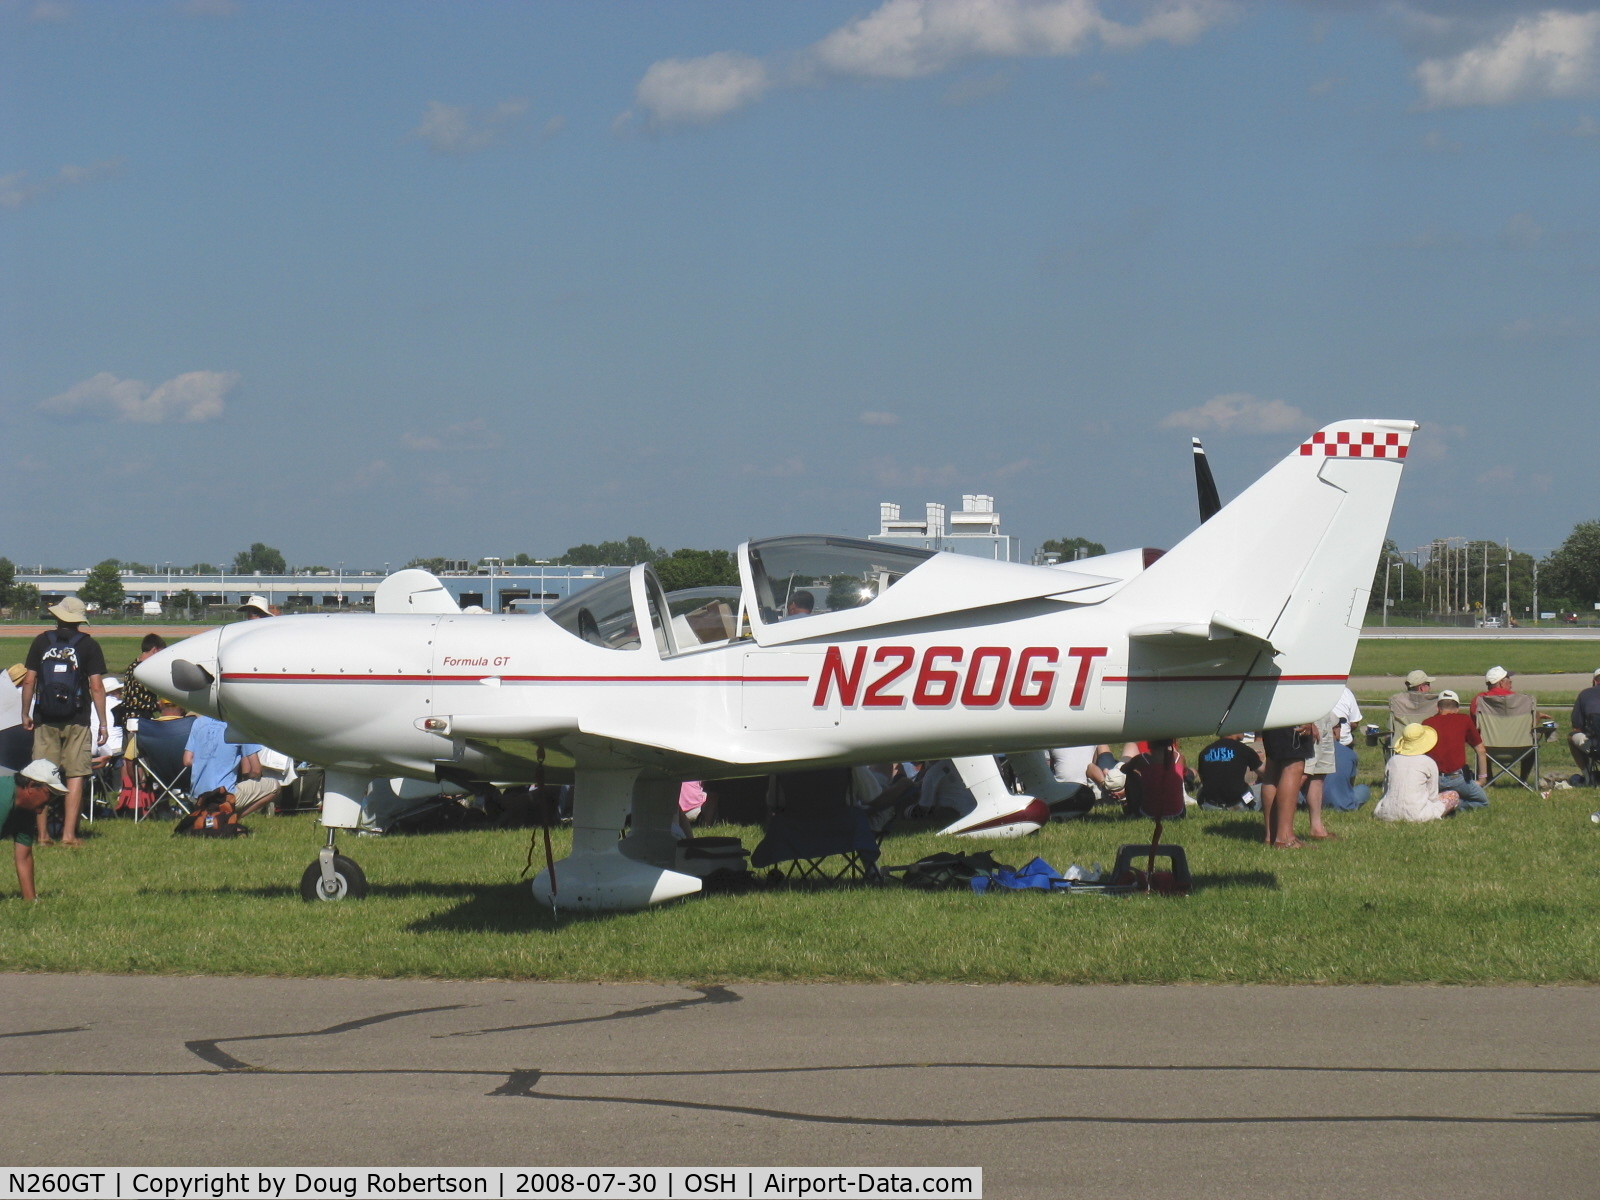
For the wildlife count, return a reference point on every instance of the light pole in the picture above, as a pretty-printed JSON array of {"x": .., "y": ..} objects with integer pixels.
[
  {"x": 493, "y": 563},
  {"x": 340, "y": 596},
  {"x": 1386, "y": 573}
]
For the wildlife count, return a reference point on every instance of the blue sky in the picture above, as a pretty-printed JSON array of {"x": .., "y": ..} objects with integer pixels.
[{"x": 373, "y": 280}]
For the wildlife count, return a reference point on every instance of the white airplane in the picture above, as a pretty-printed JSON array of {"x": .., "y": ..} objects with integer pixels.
[{"x": 832, "y": 651}]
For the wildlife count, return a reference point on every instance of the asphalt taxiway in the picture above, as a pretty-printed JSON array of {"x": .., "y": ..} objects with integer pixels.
[{"x": 1189, "y": 1091}]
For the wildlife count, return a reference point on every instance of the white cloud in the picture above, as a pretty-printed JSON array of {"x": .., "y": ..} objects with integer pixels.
[
  {"x": 1543, "y": 55},
  {"x": 903, "y": 39},
  {"x": 19, "y": 189},
  {"x": 679, "y": 91},
  {"x": 879, "y": 418},
  {"x": 908, "y": 39},
  {"x": 196, "y": 396},
  {"x": 459, "y": 129},
  {"x": 466, "y": 435},
  {"x": 1239, "y": 412}
]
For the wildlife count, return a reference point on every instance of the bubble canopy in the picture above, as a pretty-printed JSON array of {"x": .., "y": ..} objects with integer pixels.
[{"x": 808, "y": 575}]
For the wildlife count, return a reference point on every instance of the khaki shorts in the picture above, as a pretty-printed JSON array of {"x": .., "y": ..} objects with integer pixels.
[
  {"x": 65, "y": 745},
  {"x": 248, "y": 791}
]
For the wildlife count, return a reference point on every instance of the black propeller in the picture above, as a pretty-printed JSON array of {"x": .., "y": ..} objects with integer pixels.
[{"x": 1204, "y": 484}]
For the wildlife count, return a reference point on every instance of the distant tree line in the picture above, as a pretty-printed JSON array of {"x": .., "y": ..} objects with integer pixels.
[{"x": 1453, "y": 575}]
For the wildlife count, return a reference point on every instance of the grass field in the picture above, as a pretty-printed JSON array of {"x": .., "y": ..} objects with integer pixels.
[
  {"x": 1473, "y": 656},
  {"x": 1505, "y": 894}
]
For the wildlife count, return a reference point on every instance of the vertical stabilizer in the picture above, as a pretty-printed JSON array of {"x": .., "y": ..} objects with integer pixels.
[{"x": 1276, "y": 582}]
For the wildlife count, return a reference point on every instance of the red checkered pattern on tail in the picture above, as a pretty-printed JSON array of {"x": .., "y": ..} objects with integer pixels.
[{"x": 1357, "y": 445}]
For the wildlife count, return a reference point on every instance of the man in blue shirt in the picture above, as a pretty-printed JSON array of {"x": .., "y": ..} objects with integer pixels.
[{"x": 214, "y": 763}]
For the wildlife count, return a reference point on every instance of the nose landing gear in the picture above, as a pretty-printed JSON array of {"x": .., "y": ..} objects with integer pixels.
[{"x": 332, "y": 877}]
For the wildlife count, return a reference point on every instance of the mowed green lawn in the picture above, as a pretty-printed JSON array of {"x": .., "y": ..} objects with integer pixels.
[
  {"x": 1474, "y": 656},
  {"x": 1503, "y": 895},
  {"x": 1500, "y": 895}
]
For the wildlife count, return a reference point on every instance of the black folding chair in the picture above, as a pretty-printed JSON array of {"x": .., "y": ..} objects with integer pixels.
[
  {"x": 160, "y": 766},
  {"x": 814, "y": 822}
]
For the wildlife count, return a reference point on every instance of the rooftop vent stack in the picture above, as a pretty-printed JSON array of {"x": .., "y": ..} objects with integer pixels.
[{"x": 887, "y": 512}]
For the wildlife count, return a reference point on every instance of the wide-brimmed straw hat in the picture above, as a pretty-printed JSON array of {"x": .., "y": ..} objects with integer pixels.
[
  {"x": 70, "y": 611},
  {"x": 1416, "y": 739}
]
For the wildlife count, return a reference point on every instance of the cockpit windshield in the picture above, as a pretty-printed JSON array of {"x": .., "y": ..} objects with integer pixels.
[
  {"x": 799, "y": 577},
  {"x": 601, "y": 615}
]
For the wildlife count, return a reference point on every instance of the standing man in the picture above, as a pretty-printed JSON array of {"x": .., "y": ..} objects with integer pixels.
[
  {"x": 22, "y": 800},
  {"x": 1586, "y": 724},
  {"x": 1287, "y": 749},
  {"x": 1456, "y": 732},
  {"x": 65, "y": 667},
  {"x": 256, "y": 608}
]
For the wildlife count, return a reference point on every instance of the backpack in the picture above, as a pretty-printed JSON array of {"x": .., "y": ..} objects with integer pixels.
[
  {"x": 213, "y": 816},
  {"x": 60, "y": 692}
]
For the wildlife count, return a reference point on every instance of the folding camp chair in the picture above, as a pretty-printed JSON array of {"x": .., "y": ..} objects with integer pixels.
[
  {"x": 1507, "y": 725},
  {"x": 1407, "y": 708},
  {"x": 813, "y": 821},
  {"x": 160, "y": 768}
]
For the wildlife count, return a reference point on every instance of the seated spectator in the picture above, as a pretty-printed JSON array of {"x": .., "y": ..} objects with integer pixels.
[
  {"x": 1155, "y": 781},
  {"x": 214, "y": 763},
  {"x": 138, "y": 701},
  {"x": 1456, "y": 732},
  {"x": 1411, "y": 780},
  {"x": 1080, "y": 768},
  {"x": 1339, "y": 789},
  {"x": 940, "y": 786},
  {"x": 111, "y": 747},
  {"x": 1498, "y": 683},
  {"x": 1227, "y": 767},
  {"x": 1416, "y": 703},
  {"x": 1585, "y": 723},
  {"x": 16, "y": 743}
]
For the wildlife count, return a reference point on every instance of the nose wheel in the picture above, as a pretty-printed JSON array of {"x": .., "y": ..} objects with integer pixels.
[{"x": 333, "y": 877}]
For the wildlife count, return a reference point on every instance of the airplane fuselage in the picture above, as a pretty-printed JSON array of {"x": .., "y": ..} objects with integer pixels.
[{"x": 411, "y": 694}]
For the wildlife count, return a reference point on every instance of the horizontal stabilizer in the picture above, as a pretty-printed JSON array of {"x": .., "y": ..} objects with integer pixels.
[{"x": 1218, "y": 628}]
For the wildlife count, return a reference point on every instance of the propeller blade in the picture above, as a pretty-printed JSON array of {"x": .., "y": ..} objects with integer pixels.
[{"x": 1204, "y": 484}]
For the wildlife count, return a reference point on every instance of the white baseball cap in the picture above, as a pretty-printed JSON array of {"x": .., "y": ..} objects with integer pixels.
[
  {"x": 1494, "y": 675},
  {"x": 42, "y": 770},
  {"x": 1447, "y": 694}
]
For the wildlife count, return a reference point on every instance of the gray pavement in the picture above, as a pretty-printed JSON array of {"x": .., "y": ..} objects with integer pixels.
[{"x": 1181, "y": 1091}]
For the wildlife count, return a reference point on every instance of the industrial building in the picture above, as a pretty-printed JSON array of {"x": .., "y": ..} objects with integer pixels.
[{"x": 972, "y": 529}]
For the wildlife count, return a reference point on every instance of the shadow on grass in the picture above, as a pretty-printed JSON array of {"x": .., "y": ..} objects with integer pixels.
[{"x": 1240, "y": 830}]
